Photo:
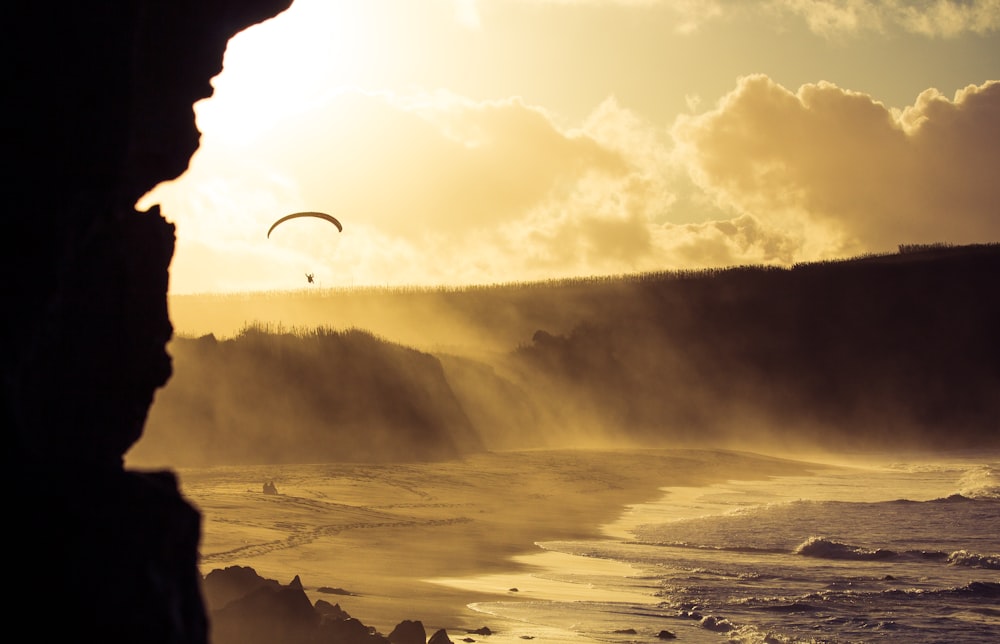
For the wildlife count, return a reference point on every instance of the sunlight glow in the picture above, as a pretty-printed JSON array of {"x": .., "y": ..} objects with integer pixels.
[
  {"x": 270, "y": 71},
  {"x": 472, "y": 141}
]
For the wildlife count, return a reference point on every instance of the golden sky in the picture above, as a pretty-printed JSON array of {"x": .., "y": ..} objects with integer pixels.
[{"x": 482, "y": 141}]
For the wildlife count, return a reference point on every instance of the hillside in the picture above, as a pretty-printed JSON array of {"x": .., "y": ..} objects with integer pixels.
[
  {"x": 267, "y": 397},
  {"x": 898, "y": 351},
  {"x": 889, "y": 351}
]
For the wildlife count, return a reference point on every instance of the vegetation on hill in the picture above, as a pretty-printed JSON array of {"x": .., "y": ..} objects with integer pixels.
[
  {"x": 882, "y": 351},
  {"x": 276, "y": 396}
]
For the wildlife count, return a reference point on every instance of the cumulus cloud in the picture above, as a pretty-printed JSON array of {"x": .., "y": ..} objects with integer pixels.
[
  {"x": 843, "y": 173},
  {"x": 431, "y": 188},
  {"x": 435, "y": 188},
  {"x": 438, "y": 165},
  {"x": 742, "y": 240}
]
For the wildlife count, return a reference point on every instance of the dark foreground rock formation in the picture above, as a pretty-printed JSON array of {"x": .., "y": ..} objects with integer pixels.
[
  {"x": 246, "y": 608},
  {"x": 98, "y": 111}
]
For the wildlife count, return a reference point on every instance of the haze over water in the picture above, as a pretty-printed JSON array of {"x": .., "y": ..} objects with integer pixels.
[
  {"x": 429, "y": 483},
  {"x": 908, "y": 551}
]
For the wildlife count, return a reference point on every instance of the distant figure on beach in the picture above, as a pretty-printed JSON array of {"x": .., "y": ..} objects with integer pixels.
[
  {"x": 269, "y": 488},
  {"x": 310, "y": 276}
]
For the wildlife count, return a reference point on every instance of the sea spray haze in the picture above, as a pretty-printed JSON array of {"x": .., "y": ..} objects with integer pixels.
[
  {"x": 274, "y": 396},
  {"x": 882, "y": 354},
  {"x": 883, "y": 351},
  {"x": 902, "y": 552}
]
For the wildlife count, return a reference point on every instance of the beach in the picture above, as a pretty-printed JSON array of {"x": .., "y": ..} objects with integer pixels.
[{"x": 389, "y": 542}]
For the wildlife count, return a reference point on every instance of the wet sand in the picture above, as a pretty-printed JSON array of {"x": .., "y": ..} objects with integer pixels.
[{"x": 382, "y": 532}]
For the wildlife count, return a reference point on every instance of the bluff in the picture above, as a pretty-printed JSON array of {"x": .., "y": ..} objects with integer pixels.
[{"x": 322, "y": 396}]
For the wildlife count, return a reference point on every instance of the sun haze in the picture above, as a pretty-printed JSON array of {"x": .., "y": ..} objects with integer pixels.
[{"x": 469, "y": 142}]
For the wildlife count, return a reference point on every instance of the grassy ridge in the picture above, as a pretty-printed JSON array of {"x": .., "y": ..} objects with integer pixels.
[
  {"x": 882, "y": 351},
  {"x": 896, "y": 350}
]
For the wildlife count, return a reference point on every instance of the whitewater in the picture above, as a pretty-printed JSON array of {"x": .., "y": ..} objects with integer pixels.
[{"x": 905, "y": 551}]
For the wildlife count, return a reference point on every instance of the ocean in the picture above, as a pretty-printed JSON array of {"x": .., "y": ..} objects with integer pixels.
[{"x": 905, "y": 551}]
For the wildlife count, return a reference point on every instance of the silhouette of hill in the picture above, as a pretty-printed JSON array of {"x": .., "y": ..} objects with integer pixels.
[
  {"x": 879, "y": 351},
  {"x": 318, "y": 396}
]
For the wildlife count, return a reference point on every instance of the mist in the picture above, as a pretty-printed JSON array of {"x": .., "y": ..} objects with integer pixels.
[{"x": 881, "y": 352}]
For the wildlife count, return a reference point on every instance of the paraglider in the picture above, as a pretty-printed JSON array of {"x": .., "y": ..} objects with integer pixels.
[
  {"x": 310, "y": 277},
  {"x": 296, "y": 215}
]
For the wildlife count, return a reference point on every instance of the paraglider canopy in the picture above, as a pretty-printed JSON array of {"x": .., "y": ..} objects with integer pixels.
[{"x": 296, "y": 215}]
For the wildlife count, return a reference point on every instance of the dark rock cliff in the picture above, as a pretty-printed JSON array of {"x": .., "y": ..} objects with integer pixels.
[{"x": 98, "y": 110}]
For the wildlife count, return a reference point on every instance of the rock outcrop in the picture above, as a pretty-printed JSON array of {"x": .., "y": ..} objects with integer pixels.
[
  {"x": 246, "y": 608},
  {"x": 408, "y": 632},
  {"x": 99, "y": 111}
]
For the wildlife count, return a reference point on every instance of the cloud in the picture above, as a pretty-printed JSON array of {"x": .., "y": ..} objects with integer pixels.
[
  {"x": 431, "y": 188},
  {"x": 437, "y": 165},
  {"x": 931, "y": 18},
  {"x": 739, "y": 241},
  {"x": 435, "y": 188},
  {"x": 842, "y": 173},
  {"x": 833, "y": 18}
]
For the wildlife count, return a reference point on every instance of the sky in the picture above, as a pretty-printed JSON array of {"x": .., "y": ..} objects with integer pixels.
[{"x": 464, "y": 142}]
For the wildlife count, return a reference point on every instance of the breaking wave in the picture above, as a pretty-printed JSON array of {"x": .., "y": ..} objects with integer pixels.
[
  {"x": 974, "y": 560},
  {"x": 982, "y": 482},
  {"x": 823, "y": 548}
]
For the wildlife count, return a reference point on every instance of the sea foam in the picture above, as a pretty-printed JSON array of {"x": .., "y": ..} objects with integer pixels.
[
  {"x": 982, "y": 482},
  {"x": 823, "y": 548},
  {"x": 974, "y": 560}
]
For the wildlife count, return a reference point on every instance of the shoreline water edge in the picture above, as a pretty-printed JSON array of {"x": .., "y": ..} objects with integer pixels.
[{"x": 553, "y": 545}]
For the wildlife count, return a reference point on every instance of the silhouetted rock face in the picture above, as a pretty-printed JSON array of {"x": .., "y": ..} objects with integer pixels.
[
  {"x": 440, "y": 637},
  {"x": 348, "y": 631},
  {"x": 102, "y": 114},
  {"x": 262, "y": 611},
  {"x": 408, "y": 632},
  {"x": 330, "y": 612},
  {"x": 268, "y": 615},
  {"x": 221, "y": 586}
]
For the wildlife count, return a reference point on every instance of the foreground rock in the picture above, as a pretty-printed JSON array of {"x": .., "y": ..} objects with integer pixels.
[{"x": 246, "y": 608}]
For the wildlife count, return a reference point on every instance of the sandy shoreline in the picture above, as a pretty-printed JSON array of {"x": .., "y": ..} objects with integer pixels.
[{"x": 381, "y": 532}]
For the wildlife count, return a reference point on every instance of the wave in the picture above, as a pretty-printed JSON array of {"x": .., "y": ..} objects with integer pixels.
[
  {"x": 981, "y": 482},
  {"x": 740, "y": 575},
  {"x": 953, "y": 498},
  {"x": 974, "y": 593},
  {"x": 974, "y": 560},
  {"x": 968, "y": 495},
  {"x": 793, "y": 607},
  {"x": 699, "y": 546},
  {"x": 974, "y": 589},
  {"x": 823, "y": 548}
]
